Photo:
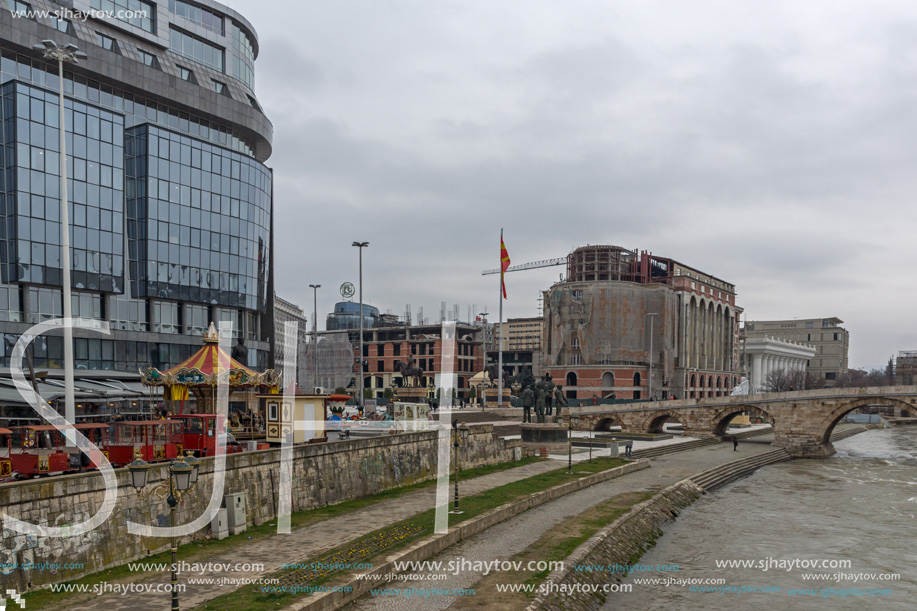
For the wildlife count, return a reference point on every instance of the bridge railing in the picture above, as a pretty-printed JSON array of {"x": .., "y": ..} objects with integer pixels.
[{"x": 821, "y": 393}]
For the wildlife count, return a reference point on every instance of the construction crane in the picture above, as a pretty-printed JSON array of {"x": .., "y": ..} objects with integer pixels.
[{"x": 532, "y": 265}]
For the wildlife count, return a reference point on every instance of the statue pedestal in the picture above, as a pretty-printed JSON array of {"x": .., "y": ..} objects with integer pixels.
[
  {"x": 412, "y": 394},
  {"x": 548, "y": 435},
  {"x": 490, "y": 397}
]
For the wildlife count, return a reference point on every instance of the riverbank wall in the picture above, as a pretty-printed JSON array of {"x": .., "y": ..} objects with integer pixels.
[{"x": 323, "y": 474}]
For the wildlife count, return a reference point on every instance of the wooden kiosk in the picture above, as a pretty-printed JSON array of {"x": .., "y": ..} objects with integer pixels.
[{"x": 303, "y": 415}]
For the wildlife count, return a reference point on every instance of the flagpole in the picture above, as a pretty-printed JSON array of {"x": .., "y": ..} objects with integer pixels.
[{"x": 499, "y": 337}]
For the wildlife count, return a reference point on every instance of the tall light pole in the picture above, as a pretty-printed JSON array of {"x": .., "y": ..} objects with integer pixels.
[
  {"x": 483, "y": 355},
  {"x": 315, "y": 288},
  {"x": 651, "y": 315},
  {"x": 361, "y": 246},
  {"x": 70, "y": 54}
]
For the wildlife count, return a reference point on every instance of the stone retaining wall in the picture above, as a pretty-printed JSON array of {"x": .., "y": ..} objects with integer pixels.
[
  {"x": 323, "y": 474},
  {"x": 621, "y": 543}
]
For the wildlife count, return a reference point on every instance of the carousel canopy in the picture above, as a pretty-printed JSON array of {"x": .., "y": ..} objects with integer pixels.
[{"x": 209, "y": 366}]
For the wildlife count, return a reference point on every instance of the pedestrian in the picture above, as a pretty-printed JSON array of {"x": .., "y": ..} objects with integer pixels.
[
  {"x": 735, "y": 443},
  {"x": 628, "y": 447},
  {"x": 595, "y": 400}
]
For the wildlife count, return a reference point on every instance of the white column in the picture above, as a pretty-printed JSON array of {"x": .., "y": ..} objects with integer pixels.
[{"x": 755, "y": 385}]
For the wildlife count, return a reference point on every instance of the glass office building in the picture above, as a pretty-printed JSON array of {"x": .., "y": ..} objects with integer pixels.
[{"x": 170, "y": 198}]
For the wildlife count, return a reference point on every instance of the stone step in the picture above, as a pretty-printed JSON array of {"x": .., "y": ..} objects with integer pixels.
[
  {"x": 738, "y": 466},
  {"x": 722, "y": 475}
]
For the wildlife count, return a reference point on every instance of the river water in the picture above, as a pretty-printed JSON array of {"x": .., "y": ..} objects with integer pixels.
[{"x": 857, "y": 506}]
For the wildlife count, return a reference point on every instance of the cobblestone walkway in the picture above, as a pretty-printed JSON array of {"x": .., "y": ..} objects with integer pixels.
[
  {"x": 305, "y": 543},
  {"x": 513, "y": 536}
]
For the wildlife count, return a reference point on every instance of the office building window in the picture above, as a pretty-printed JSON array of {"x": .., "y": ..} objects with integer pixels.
[
  {"x": 185, "y": 74},
  {"x": 137, "y": 13},
  {"x": 201, "y": 16},
  {"x": 128, "y": 314},
  {"x": 219, "y": 87},
  {"x": 61, "y": 25},
  {"x": 107, "y": 42},
  {"x": 197, "y": 319},
  {"x": 165, "y": 317},
  {"x": 148, "y": 59},
  {"x": 234, "y": 317},
  {"x": 196, "y": 49},
  {"x": 47, "y": 303},
  {"x": 9, "y": 304},
  {"x": 20, "y": 8}
]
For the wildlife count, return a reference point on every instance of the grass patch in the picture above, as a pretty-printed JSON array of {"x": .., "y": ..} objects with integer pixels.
[
  {"x": 197, "y": 551},
  {"x": 421, "y": 525}
]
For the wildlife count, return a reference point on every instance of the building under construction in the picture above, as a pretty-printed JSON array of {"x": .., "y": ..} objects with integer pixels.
[
  {"x": 905, "y": 367},
  {"x": 619, "y": 311}
]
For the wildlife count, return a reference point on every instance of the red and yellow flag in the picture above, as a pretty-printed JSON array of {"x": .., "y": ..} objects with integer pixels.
[{"x": 504, "y": 264}]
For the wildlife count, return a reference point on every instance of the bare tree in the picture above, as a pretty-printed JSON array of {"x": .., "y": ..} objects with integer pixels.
[
  {"x": 852, "y": 378},
  {"x": 783, "y": 380}
]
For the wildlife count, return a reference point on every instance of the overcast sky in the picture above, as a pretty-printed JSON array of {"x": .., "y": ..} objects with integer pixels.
[{"x": 772, "y": 145}]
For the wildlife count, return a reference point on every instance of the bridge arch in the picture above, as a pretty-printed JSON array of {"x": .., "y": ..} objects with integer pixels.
[
  {"x": 606, "y": 423},
  {"x": 831, "y": 420},
  {"x": 722, "y": 418},
  {"x": 656, "y": 421}
]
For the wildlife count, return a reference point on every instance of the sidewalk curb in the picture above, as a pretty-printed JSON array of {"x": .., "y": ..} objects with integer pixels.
[{"x": 433, "y": 545}]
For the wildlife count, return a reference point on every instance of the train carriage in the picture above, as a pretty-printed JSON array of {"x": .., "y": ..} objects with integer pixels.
[
  {"x": 39, "y": 451},
  {"x": 6, "y": 454},
  {"x": 199, "y": 433},
  {"x": 155, "y": 440}
]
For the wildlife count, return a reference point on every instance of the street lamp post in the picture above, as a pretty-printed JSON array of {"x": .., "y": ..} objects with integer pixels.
[
  {"x": 483, "y": 355},
  {"x": 652, "y": 316},
  {"x": 361, "y": 246},
  {"x": 182, "y": 474},
  {"x": 70, "y": 54},
  {"x": 571, "y": 422},
  {"x": 315, "y": 288},
  {"x": 459, "y": 434}
]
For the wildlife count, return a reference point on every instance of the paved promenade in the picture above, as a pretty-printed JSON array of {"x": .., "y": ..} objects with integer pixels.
[
  {"x": 306, "y": 543},
  {"x": 513, "y": 536}
]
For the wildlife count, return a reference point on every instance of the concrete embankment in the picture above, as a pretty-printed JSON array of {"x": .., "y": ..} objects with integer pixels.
[{"x": 625, "y": 540}]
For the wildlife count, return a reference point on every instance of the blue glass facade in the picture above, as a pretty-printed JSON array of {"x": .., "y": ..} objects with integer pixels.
[
  {"x": 169, "y": 198},
  {"x": 198, "y": 220},
  {"x": 347, "y": 316},
  {"x": 30, "y": 237}
]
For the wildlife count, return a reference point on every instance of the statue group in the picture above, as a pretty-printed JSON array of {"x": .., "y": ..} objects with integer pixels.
[{"x": 545, "y": 397}]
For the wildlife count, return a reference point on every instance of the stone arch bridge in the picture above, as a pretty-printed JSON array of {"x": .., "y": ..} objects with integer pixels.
[{"x": 802, "y": 420}]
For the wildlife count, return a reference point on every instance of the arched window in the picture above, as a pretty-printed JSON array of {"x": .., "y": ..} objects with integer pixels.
[
  {"x": 571, "y": 379},
  {"x": 637, "y": 379},
  {"x": 608, "y": 380},
  {"x": 693, "y": 381}
]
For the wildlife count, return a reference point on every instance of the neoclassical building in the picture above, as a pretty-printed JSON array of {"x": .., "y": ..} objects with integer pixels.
[
  {"x": 769, "y": 354},
  {"x": 620, "y": 311}
]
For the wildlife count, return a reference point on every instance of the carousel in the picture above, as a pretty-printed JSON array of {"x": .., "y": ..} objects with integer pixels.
[{"x": 201, "y": 374}]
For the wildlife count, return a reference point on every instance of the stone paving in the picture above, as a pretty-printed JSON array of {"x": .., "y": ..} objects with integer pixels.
[
  {"x": 306, "y": 543},
  {"x": 508, "y": 538}
]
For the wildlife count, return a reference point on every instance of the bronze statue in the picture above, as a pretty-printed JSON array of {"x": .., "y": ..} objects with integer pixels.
[
  {"x": 549, "y": 393},
  {"x": 409, "y": 369},
  {"x": 240, "y": 352},
  {"x": 540, "y": 396},
  {"x": 528, "y": 400},
  {"x": 560, "y": 401}
]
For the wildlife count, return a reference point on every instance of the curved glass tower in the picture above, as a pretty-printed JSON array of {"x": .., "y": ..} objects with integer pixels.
[{"x": 170, "y": 197}]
